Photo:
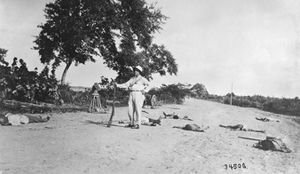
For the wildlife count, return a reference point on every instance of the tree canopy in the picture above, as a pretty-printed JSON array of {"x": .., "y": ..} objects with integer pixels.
[
  {"x": 119, "y": 31},
  {"x": 2, "y": 56}
]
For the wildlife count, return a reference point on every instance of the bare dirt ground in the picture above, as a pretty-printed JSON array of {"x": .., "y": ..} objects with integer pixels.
[{"x": 72, "y": 143}]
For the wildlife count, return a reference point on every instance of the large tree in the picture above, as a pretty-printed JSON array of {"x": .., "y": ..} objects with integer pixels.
[{"x": 119, "y": 31}]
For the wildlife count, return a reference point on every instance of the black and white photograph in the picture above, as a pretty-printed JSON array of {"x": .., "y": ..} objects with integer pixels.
[{"x": 149, "y": 86}]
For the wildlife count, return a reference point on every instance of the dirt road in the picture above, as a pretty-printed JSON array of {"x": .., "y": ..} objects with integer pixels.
[{"x": 72, "y": 143}]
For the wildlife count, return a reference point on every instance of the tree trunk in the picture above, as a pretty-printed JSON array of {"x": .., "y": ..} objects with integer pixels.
[{"x": 63, "y": 77}]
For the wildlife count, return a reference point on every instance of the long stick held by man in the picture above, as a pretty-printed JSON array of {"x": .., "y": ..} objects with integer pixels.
[{"x": 113, "y": 106}]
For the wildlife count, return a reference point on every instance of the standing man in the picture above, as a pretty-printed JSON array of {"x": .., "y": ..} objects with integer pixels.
[{"x": 136, "y": 85}]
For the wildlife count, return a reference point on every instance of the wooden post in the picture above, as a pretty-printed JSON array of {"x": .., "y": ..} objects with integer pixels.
[
  {"x": 231, "y": 93},
  {"x": 113, "y": 106}
]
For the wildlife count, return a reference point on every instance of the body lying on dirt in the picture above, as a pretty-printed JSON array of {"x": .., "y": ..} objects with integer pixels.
[
  {"x": 266, "y": 119},
  {"x": 150, "y": 121},
  {"x": 272, "y": 143},
  {"x": 10, "y": 119},
  {"x": 144, "y": 121},
  {"x": 175, "y": 116},
  {"x": 153, "y": 122},
  {"x": 193, "y": 127},
  {"x": 241, "y": 127}
]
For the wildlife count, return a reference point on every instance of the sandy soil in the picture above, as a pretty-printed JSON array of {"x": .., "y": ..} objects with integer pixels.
[{"x": 79, "y": 143}]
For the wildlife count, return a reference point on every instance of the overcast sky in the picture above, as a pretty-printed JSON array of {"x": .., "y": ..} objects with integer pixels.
[{"x": 252, "y": 44}]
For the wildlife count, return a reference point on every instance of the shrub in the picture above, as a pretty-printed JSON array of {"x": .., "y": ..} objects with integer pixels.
[
  {"x": 199, "y": 91},
  {"x": 67, "y": 95},
  {"x": 18, "y": 83},
  {"x": 174, "y": 93}
]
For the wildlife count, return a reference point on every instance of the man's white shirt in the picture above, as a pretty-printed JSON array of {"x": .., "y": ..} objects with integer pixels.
[{"x": 135, "y": 84}]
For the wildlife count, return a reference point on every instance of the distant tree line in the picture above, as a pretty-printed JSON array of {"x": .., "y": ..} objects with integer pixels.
[{"x": 287, "y": 106}]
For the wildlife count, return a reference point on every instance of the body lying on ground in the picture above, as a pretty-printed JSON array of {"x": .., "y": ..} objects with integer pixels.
[
  {"x": 150, "y": 121},
  {"x": 274, "y": 144},
  {"x": 193, "y": 127},
  {"x": 175, "y": 116},
  {"x": 17, "y": 119},
  {"x": 145, "y": 121},
  {"x": 266, "y": 119},
  {"x": 241, "y": 127}
]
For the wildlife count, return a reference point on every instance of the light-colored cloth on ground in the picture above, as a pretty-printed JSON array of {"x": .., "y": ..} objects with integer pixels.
[
  {"x": 17, "y": 119},
  {"x": 145, "y": 120}
]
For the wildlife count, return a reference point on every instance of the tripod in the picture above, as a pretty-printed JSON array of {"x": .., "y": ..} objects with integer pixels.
[{"x": 95, "y": 105}]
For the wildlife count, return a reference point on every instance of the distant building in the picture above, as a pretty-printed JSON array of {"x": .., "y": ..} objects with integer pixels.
[{"x": 80, "y": 88}]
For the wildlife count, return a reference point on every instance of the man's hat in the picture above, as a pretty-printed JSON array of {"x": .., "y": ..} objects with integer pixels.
[{"x": 139, "y": 68}]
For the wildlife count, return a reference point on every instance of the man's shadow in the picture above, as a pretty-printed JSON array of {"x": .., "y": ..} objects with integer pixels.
[{"x": 101, "y": 123}]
